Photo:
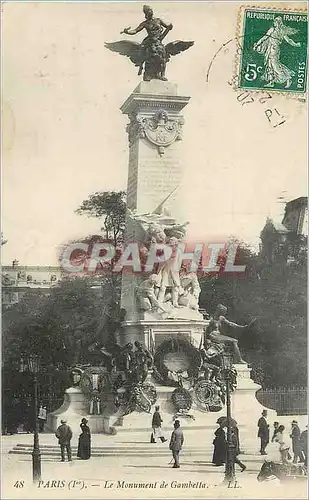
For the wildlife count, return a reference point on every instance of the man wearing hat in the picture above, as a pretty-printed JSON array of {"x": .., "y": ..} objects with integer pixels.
[
  {"x": 176, "y": 443},
  {"x": 295, "y": 436},
  {"x": 64, "y": 435},
  {"x": 304, "y": 445},
  {"x": 263, "y": 432}
]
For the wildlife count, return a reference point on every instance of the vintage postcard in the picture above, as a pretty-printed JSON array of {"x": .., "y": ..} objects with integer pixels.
[{"x": 154, "y": 250}]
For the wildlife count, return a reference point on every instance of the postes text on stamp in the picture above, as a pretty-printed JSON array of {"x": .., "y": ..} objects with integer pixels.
[{"x": 274, "y": 50}]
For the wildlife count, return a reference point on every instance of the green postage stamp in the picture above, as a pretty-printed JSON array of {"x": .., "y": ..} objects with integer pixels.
[{"x": 273, "y": 52}]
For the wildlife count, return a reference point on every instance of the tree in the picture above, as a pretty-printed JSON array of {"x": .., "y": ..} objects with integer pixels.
[
  {"x": 110, "y": 206},
  {"x": 61, "y": 326},
  {"x": 275, "y": 293}
]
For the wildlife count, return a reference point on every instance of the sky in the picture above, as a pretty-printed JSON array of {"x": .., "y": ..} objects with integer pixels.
[{"x": 64, "y": 134}]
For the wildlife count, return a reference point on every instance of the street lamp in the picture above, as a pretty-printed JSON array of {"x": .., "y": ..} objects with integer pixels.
[
  {"x": 34, "y": 367},
  {"x": 228, "y": 377}
]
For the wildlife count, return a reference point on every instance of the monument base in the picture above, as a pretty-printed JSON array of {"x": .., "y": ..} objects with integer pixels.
[
  {"x": 73, "y": 409},
  {"x": 244, "y": 405},
  {"x": 246, "y": 409},
  {"x": 152, "y": 332}
]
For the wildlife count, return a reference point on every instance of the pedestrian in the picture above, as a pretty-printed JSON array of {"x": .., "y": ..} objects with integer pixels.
[
  {"x": 12, "y": 427},
  {"x": 64, "y": 435},
  {"x": 176, "y": 443},
  {"x": 220, "y": 445},
  {"x": 29, "y": 422},
  {"x": 263, "y": 432},
  {"x": 276, "y": 427},
  {"x": 236, "y": 430},
  {"x": 84, "y": 441},
  {"x": 42, "y": 416},
  {"x": 304, "y": 445},
  {"x": 156, "y": 426},
  {"x": 235, "y": 450},
  {"x": 283, "y": 445},
  {"x": 295, "y": 436}
]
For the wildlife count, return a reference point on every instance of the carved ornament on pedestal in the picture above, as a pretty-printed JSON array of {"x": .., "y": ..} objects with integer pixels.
[{"x": 160, "y": 129}]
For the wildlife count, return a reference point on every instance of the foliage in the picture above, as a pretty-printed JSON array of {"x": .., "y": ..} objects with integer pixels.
[
  {"x": 110, "y": 206},
  {"x": 61, "y": 326},
  {"x": 275, "y": 294}
]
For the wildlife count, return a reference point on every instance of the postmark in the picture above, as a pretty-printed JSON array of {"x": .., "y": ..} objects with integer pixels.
[{"x": 272, "y": 54}]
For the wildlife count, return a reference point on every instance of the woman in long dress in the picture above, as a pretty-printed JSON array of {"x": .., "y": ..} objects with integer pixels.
[
  {"x": 84, "y": 441},
  {"x": 220, "y": 446},
  {"x": 281, "y": 439},
  {"x": 269, "y": 46}
]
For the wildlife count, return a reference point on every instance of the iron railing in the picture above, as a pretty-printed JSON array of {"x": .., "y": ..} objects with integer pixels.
[{"x": 285, "y": 400}]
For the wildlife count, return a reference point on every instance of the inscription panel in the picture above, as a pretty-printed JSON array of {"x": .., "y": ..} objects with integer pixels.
[{"x": 158, "y": 176}]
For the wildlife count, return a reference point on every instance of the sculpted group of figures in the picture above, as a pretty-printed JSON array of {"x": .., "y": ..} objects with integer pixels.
[
  {"x": 184, "y": 291},
  {"x": 169, "y": 287},
  {"x": 199, "y": 372}
]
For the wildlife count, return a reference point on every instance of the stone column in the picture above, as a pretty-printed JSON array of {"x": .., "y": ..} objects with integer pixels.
[{"x": 155, "y": 166}]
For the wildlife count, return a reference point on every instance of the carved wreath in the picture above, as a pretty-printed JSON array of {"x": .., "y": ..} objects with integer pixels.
[{"x": 160, "y": 129}]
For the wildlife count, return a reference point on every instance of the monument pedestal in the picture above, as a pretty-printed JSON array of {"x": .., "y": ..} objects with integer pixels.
[
  {"x": 246, "y": 409},
  {"x": 245, "y": 406},
  {"x": 152, "y": 332},
  {"x": 73, "y": 409}
]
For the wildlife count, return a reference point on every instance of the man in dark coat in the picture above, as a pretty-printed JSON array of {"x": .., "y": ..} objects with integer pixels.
[
  {"x": 156, "y": 426},
  {"x": 176, "y": 443},
  {"x": 304, "y": 445},
  {"x": 235, "y": 449},
  {"x": 64, "y": 435},
  {"x": 263, "y": 432},
  {"x": 295, "y": 436}
]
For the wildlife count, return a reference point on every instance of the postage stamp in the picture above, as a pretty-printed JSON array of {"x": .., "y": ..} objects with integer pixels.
[{"x": 273, "y": 53}]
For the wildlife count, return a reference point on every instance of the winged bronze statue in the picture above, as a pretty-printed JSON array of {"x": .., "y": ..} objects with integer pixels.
[{"x": 151, "y": 55}]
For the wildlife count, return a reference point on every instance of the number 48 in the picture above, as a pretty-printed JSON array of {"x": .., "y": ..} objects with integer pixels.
[{"x": 252, "y": 71}]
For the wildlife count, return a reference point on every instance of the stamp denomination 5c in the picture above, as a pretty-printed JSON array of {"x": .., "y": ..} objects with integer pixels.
[{"x": 274, "y": 50}]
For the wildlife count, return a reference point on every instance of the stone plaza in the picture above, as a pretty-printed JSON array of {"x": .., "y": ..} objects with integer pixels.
[{"x": 128, "y": 466}]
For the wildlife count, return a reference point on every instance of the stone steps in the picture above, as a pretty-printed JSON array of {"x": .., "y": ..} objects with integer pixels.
[{"x": 129, "y": 450}]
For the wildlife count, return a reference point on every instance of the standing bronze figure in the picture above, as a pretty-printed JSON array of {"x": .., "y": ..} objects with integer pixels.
[{"x": 150, "y": 55}]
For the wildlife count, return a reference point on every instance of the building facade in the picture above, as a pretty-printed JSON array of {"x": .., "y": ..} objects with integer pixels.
[
  {"x": 18, "y": 279},
  {"x": 287, "y": 240}
]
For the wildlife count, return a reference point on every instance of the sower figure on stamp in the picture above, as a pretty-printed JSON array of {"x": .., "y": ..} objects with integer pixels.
[
  {"x": 176, "y": 443},
  {"x": 64, "y": 435},
  {"x": 215, "y": 331},
  {"x": 263, "y": 432},
  {"x": 269, "y": 45}
]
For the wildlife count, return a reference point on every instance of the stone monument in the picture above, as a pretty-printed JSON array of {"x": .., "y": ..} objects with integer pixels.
[{"x": 166, "y": 353}]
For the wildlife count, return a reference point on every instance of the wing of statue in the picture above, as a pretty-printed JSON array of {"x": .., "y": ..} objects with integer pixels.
[
  {"x": 174, "y": 48},
  {"x": 127, "y": 48}
]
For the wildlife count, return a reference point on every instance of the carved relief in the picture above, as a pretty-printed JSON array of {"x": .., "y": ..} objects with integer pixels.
[{"x": 160, "y": 129}]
